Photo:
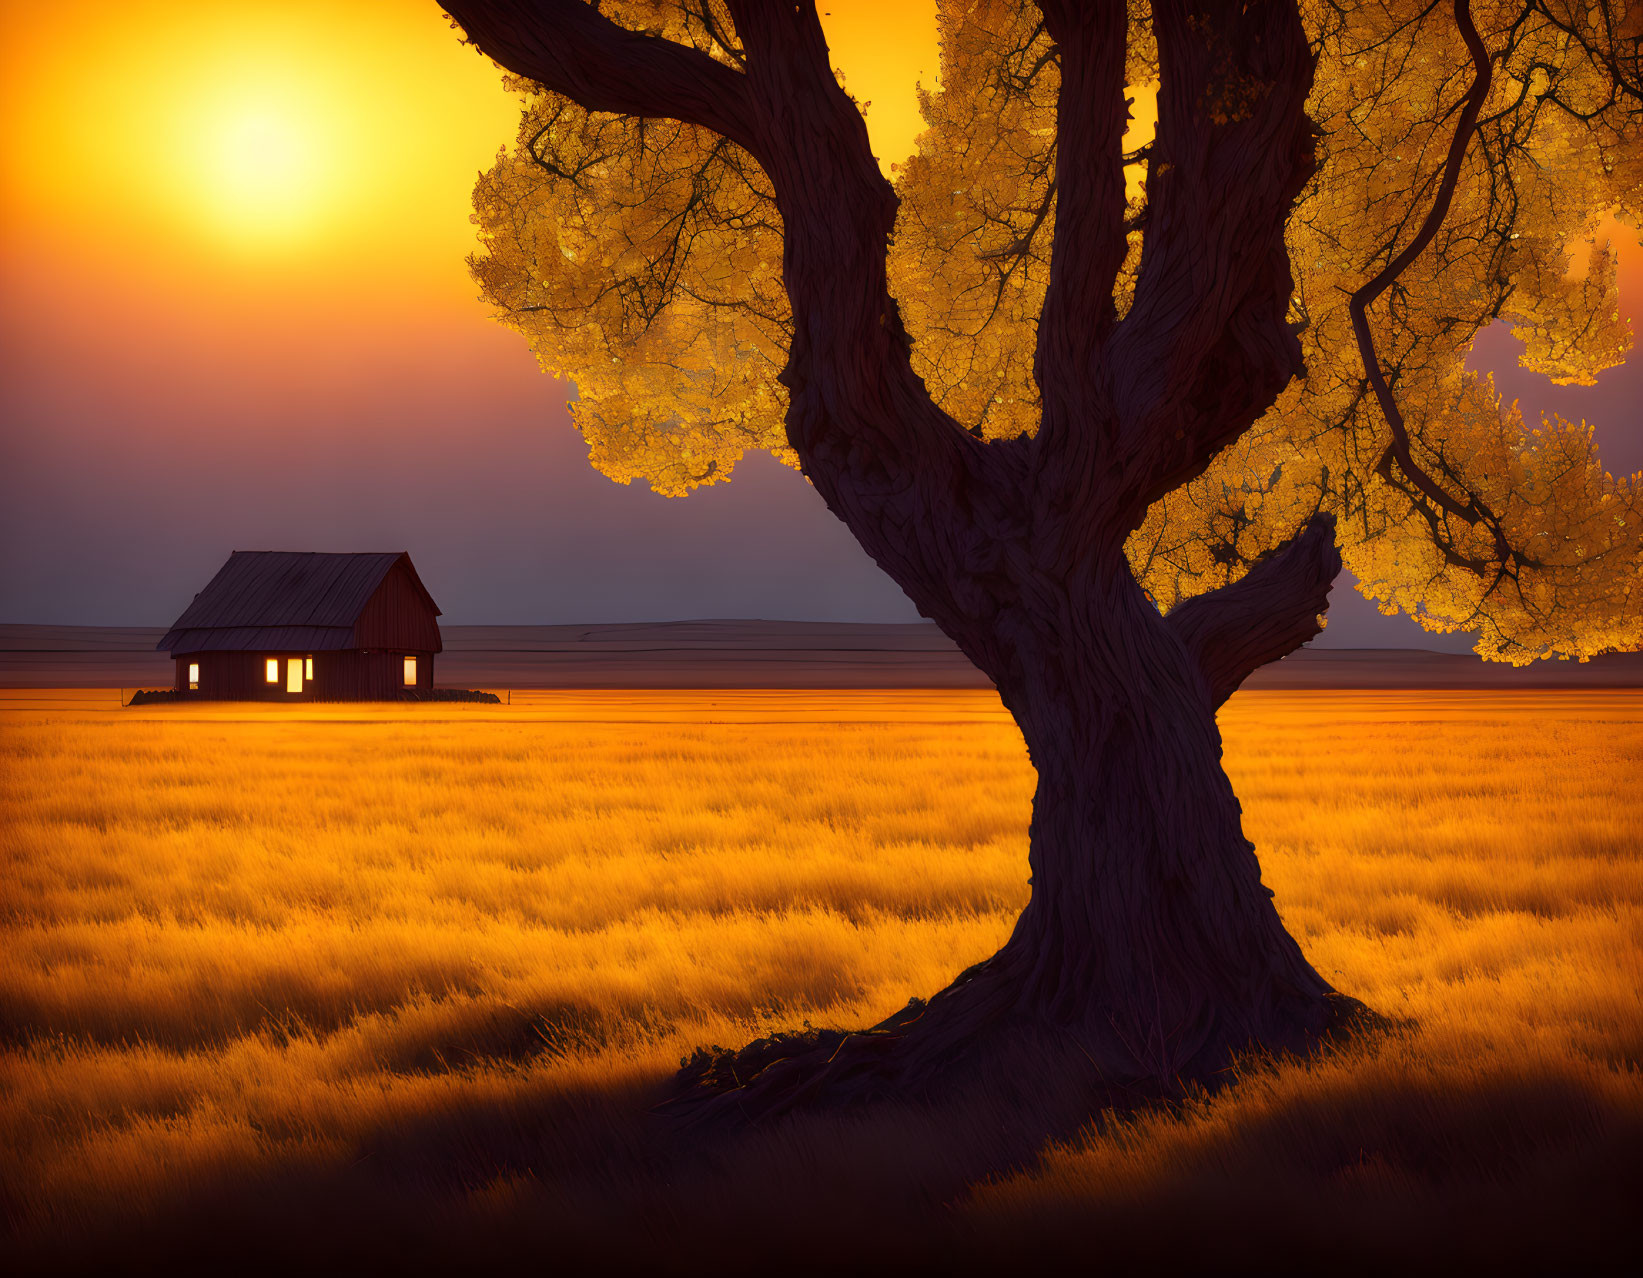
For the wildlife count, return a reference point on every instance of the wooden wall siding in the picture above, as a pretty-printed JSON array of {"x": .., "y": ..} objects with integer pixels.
[
  {"x": 338, "y": 676},
  {"x": 229, "y": 676},
  {"x": 397, "y": 616}
]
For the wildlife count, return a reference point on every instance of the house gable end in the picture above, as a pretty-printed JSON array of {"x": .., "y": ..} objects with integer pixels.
[{"x": 399, "y": 615}]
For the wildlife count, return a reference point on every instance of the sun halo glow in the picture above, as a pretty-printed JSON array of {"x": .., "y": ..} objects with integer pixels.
[{"x": 253, "y": 158}]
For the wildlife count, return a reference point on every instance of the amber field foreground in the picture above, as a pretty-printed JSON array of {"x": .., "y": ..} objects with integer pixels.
[{"x": 383, "y": 986}]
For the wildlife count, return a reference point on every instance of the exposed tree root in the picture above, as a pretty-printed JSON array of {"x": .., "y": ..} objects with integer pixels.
[{"x": 968, "y": 1038}]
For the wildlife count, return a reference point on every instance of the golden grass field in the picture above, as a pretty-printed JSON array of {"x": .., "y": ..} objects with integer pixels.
[{"x": 377, "y": 981}]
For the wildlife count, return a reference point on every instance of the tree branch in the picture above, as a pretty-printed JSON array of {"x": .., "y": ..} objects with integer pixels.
[
  {"x": 911, "y": 483},
  {"x": 1205, "y": 348},
  {"x": 913, "y": 486},
  {"x": 1422, "y": 488},
  {"x": 1266, "y": 614},
  {"x": 1089, "y": 245},
  {"x": 570, "y": 47}
]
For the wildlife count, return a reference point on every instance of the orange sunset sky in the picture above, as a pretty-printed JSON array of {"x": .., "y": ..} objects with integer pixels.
[{"x": 234, "y": 313}]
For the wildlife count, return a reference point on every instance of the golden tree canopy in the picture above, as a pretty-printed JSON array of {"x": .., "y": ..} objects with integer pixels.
[{"x": 642, "y": 259}]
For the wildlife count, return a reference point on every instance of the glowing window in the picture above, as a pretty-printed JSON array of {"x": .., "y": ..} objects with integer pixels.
[
  {"x": 308, "y": 669},
  {"x": 293, "y": 675},
  {"x": 194, "y": 675},
  {"x": 271, "y": 670},
  {"x": 410, "y": 672}
]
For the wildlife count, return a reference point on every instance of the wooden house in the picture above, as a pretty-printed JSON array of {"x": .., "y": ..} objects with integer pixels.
[{"x": 276, "y": 625}]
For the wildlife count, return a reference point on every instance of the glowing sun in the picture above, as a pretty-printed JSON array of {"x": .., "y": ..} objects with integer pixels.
[{"x": 257, "y": 161}]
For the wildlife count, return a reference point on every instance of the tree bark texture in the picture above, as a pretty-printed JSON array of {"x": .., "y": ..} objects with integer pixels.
[{"x": 1149, "y": 947}]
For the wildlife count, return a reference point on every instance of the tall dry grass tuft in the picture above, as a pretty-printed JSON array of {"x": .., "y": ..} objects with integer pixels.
[{"x": 408, "y": 976}]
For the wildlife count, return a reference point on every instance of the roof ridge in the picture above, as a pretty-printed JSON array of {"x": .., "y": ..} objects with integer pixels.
[{"x": 265, "y": 589}]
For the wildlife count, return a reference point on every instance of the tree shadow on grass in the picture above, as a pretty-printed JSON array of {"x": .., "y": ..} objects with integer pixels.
[
  {"x": 1533, "y": 1169},
  {"x": 1505, "y": 1170},
  {"x": 597, "y": 1176}
]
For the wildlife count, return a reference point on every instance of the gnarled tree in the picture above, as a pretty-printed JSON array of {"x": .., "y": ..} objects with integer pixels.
[{"x": 1101, "y": 403}]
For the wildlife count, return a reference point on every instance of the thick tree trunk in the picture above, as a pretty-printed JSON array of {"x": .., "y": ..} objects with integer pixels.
[
  {"x": 1149, "y": 953},
  {"x": 1149, "y": 936}
]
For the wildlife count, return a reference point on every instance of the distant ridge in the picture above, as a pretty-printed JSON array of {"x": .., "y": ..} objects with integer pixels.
[{"x": 758, "y": 654}]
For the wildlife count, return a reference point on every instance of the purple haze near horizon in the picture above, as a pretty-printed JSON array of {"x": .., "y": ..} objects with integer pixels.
[{"x": 464, "y": 456}]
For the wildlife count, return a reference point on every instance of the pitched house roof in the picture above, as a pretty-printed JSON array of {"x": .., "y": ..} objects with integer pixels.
[{"x": 285, "y": 599}]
